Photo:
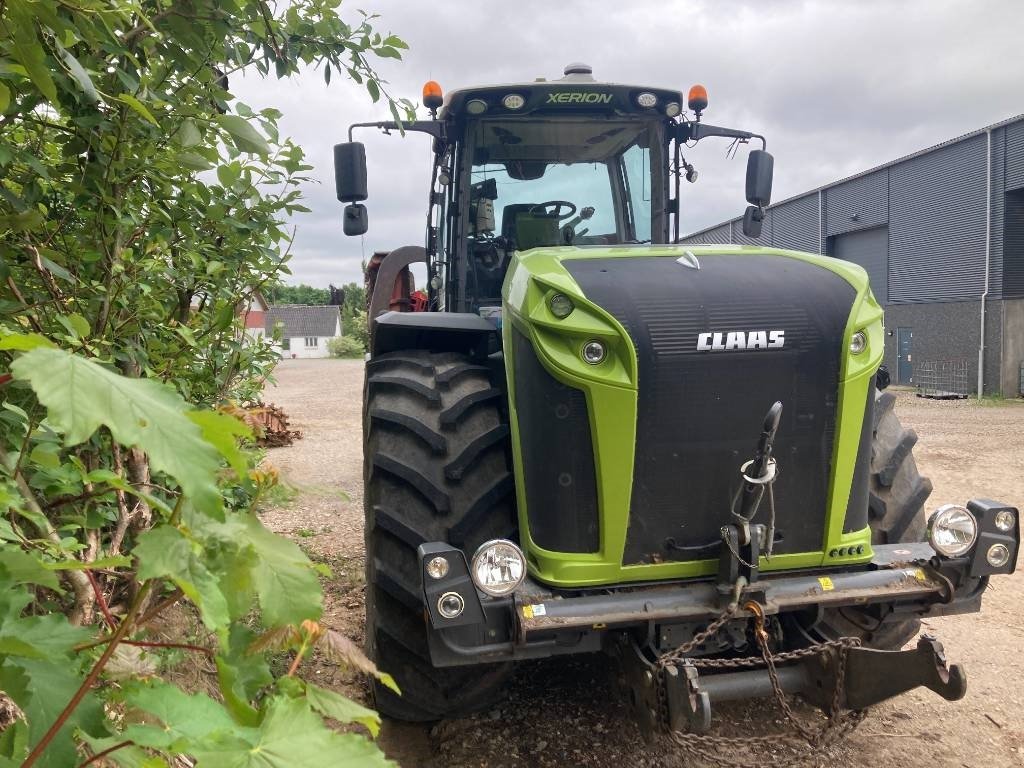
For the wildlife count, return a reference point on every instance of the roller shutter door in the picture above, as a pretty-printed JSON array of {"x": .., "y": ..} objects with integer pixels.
[{"x": 870, "y": 249}]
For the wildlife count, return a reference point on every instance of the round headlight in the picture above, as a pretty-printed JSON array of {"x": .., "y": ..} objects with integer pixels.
[
  {"x": 672, "y": 109},
  {"x": 1004, "y": 520},
  {"x": 952, "y": 530},
  {"x": 498, "y": 567},
  {"x": 437, "y": 567},
  {"x": 451, "y": 605},
  {"x": 593, "y": 352},
  {"x": 513, "y": 101},
  {"x": 561, "y": 305},
  {"x": 998, "y": 555},
  {"x": 476, "y": 106},
  {"x": 646, "y": 99},
  {"x": 858, "y": 342}
]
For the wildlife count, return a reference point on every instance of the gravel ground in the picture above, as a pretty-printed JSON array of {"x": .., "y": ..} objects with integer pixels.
[{"x": 569, "y": 712}]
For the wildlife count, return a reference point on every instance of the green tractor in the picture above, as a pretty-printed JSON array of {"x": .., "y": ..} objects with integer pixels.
[{"x": 591, "y": 437}]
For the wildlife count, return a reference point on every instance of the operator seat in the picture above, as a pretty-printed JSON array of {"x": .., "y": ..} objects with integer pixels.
[{"x": 524, "y": 229}]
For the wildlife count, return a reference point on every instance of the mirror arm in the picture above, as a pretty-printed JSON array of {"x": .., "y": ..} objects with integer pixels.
[
  {"x": 433, "y": 127},
  {"x": 697, "y": 131}
]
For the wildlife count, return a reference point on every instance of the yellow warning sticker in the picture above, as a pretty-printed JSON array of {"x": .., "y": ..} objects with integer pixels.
[
  {"x": 527, "y": 611},
  {"x": 920, "y": 575},
  {"x": 826, "y": 583}
]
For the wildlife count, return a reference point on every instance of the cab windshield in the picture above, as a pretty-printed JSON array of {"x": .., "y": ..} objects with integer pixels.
[{"x": 543, "y": 183}]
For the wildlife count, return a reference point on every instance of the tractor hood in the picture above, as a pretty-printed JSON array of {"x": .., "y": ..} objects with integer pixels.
[{"x": 628, "y": 462}]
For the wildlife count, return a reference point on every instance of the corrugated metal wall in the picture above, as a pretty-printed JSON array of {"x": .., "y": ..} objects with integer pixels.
[
  {"x": 934, "y": 206},
  {"x": 937, "y": 224},
  {"x": 861, "y": 203},
  {"x": 795, "y": 224}
]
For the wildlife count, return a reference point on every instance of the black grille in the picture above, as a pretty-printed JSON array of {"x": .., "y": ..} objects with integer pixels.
[
  {"x": 558, "y": 456},
  {"x": 700, "y": 412}
]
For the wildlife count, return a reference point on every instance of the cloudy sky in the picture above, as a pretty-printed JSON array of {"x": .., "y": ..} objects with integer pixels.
[{"x": 837, "y": 87}]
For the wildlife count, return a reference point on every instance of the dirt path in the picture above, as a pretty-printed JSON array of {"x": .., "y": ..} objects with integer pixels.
[{"x": 569, "y": 713}]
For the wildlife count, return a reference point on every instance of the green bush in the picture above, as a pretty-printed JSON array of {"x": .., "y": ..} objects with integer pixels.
[{"x": 345, "y": 346}]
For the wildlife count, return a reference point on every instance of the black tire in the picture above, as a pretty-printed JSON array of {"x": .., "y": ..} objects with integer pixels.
[
  {"x": 896, "y": 514},
  {"x": 437, "y": 468}
]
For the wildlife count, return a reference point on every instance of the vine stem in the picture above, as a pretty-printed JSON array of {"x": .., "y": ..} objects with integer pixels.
[
  {"x": 90, "y": 679},
  {"x": 101, "y": 600},
  {"x": 100, "y": 755}
]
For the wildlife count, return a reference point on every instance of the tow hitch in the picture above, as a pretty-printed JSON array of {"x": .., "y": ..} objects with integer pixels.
[{"x": 678, "y": 697}]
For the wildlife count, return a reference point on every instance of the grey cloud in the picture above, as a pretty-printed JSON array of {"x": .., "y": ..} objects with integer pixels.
[{"x": 836, "y": 88}]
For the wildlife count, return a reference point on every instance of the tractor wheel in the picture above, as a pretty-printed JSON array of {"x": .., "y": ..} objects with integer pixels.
[
  {"x": 436, "y": 469},
  {"x": 896, "y": 514}
]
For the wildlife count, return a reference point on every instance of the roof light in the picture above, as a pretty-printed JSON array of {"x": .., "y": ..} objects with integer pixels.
[
  {"x": 672, "y": 109},
  {"x": 697, "y": 99},
  {"x": 476, "y": 106},
  {"x": 513, "y": 101},
  {"x": 433, "y": 97},
  {"x": 646, "y": 99}
]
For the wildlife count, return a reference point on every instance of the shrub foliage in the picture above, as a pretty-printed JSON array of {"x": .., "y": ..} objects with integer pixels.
[{"x": 141, "y": 206}]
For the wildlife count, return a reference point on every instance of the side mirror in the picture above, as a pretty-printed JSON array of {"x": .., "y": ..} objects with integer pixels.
[
  {"x": 355, "y": 220},
  {"x": 350, "y": 171},
  {"x": 760, "y": 165},
  {"x": 753, "y": 217}
]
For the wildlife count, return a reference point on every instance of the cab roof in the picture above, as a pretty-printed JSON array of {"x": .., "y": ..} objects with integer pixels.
[{"x": 574, "y": 94}]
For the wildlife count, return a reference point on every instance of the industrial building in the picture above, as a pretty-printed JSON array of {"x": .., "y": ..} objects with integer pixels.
[{"x": 941, "y": 235}]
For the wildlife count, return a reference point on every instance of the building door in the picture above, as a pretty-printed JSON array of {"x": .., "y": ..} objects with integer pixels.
[
  {"x": 870, "y": 249},
  {"x": 904, "y": 358}
]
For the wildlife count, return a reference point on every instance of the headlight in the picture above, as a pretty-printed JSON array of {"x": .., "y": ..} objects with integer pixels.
[
  {"x": 476, "y": 106},
  {"x": 1004, "y": 520},
  {"x": 498, "y": 567},
  {"x": 593, "y": 352},
  {"x": 513, "y": 101},
  {"x": 646, "y": 99},
  {"x": 451, "y": 605},
  {"x": 998, "y": 555},
  {"x": 561, "y": 305},
  {"x": 952, "y": 530},
  {"x": 858, "y": 342},
  {"x": 437, "y": 567},
  {"x": 672, "y": 109}
]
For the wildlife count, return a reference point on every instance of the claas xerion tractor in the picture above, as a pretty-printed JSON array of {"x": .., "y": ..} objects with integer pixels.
[{"x": 596, "y": 438}]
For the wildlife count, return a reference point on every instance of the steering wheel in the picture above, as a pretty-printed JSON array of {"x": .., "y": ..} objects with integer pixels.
[{"x": 556, "y": 207}]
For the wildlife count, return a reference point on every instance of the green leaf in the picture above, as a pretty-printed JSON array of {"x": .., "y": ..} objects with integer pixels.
[
  {"x": 288, "y": 588},
  {"x": 291, "y": 735},
  {"x": 139, "y": 107},
  {"x": 81, "y": 395},
  {"x": 42, "y": 689},
  {"x": 228, "y": 174},
  {"x": 192, "y": 161},
  {"x": 242, "y": 674},
  {"x": 50, "y": 635},
  {"x": 23, "y": 342},
  {"x": 187, "y": 719},
  {"x": 337, "y": 707},
  {"x": 14, "y": 743},
  {"x": 373, "y": 89},
  {"x": 188, "y": 134},
  {"x": 223, "y": 431},
  {"x": 5, "y": 98},
  {"x": 79, "y": 74},
  {"x": 25, "y": 569},
  {"x": 27, "y": 49},
  {"x": 80, "y": 324},
  {"x": 166, "y": 552},
  {"x": 246, "y": 138}
]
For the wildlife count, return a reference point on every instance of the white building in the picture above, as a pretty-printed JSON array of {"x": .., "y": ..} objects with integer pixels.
[{"x": 304, "y": 330}]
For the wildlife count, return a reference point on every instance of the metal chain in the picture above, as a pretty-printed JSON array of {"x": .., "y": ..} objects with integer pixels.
[{"x": 710, "y": 748}]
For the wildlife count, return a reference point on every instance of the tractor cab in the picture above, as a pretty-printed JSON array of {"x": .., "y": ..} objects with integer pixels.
[{"x": 567, "y": 162}]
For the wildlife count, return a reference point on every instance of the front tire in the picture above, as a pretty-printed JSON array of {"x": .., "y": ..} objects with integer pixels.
[{"x": 436, "y": 465}]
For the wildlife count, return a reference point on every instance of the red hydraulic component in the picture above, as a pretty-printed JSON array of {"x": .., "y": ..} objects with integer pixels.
[
  {"x": 400, "y": 293},
  {"x": 418, "y": 301}
]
